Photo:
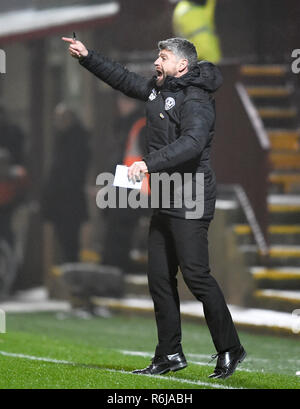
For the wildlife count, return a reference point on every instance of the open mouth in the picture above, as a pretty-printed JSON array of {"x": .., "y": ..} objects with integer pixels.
[{"x": 159, "y": 74}]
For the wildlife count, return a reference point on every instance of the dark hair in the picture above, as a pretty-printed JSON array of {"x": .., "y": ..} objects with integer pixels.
[{"x": 182, "y": 48}]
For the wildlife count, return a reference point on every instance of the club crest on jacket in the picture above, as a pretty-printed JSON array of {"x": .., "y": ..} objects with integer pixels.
[{"x": 169, "y": 103}]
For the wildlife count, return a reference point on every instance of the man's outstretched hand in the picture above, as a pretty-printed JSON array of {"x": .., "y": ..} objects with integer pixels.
[{"x": 76, "y": 48}]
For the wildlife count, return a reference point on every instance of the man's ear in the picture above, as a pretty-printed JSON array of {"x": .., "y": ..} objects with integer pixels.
[{"x": 183, "y": 64}]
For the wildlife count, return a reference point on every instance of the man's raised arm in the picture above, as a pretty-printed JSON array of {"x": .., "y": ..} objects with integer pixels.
[{"x": 113, "y": 73}]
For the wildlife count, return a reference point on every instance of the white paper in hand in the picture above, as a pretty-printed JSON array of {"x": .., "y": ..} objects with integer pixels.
[{"x": 121, "y": 178}]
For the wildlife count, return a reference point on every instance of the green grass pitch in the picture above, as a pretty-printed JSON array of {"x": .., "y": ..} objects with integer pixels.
[{"x": 41, "y": 351}]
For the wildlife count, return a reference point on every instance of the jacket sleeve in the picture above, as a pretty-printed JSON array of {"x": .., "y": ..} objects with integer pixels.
[
  {"x": 117, "y": 76},
  {"x": 197, "y": 120}
]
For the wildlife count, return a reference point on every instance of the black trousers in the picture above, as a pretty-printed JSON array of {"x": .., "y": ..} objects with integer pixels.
[{"x": 177, "y": 242}]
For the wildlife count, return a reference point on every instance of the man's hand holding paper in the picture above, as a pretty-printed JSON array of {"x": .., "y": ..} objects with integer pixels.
[
  {"x": 137, "y": 171},
  {"x": 130, "y": 177}
]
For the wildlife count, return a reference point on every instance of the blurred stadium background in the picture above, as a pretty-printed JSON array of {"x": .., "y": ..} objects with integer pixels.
[{"x": 255, "y": 236}]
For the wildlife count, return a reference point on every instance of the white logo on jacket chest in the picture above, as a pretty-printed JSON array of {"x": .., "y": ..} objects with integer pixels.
[
  {"x": 169, "y": 103},
  {"x": 153, "y": 95}
]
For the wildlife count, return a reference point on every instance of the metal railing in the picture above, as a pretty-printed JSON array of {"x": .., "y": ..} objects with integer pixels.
[{"x": 253, "y": 116}]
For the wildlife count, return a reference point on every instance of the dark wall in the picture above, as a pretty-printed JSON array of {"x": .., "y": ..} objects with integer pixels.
[
  {"x": 141, "y": 24},
  {"x": 237, "y": 28},
  {"x": 279, "y": 28},
  {"x": 258, "y": 30},
  {"x": 237, "y": 155},
  {"x": 264, "y": 29},
  {"x": 250, "y": 30}
]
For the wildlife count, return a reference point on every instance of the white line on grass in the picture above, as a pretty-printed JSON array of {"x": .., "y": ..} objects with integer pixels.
[
  {"x": 180, "y": 380},
  {"x": 36, "y": 358},
  {"x": 165, "y": 378}
]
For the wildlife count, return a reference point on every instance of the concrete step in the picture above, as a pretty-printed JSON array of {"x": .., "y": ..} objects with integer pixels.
[
  {"x": 276, "y": 102},
  {"x": 264, "y": 75},
  {"x": 284, "y": 139},
  {"x": 252, "y": 319},
  {"x": 285, "y": 161},
  {"x": 278, "y": 234},
  {"x": 33, "y": 300},
  {"x": 279, "y": 300},
  {"x": 274, "y": 117},
  {"x": 244, "y": 234},
  {"x": 285, "y": 182},
  {"x": 275, "y": 112},
  {"x": 281, "y": 278},
  {"x": 250, "y": 253},
  {"x": 279, "y": 255},
  {"x": 262, "y": 320},
  {"x": 284, "y": 204},
  {"x": 284, "y": 233},
  {"x": 136, "y": 284},
  {"x": 279, "y": 96},
  {"x": 233, "y": 210},
  {"x": 284, "y": 199},
  {"x": 267, "y": 70},
  {"x": 284, "y": 210},
  {"x": 262, "y": 92},
  {"x": 282, "y": 255}
]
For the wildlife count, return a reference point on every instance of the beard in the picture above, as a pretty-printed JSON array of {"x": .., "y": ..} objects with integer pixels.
[{"x": 160, "y": 81}]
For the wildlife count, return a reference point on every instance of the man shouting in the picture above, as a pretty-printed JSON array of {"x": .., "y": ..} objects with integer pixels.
[{"x": 180, "y": 114}]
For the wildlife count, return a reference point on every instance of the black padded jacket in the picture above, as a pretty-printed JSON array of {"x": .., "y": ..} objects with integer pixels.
[{"x": 180, "y": 123}]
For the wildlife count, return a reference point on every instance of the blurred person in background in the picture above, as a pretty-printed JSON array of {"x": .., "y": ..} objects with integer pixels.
[
  {"x": 180, "y": 111},
  {"x": 64, "y": 202},
  {"x": 129, "y": 132},
  {"x": 11, "y": 138},
  {"x": 13, "y": 188},
  {"x": 13, "y": 175},
  {"x": 194, "y": 20}
]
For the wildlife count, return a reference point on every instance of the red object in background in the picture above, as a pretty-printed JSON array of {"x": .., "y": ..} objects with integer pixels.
[
  {"x": 131, "y": 151},
  {"x": 13, "y": 186}
]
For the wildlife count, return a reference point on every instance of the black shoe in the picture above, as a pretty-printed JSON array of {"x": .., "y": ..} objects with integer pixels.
[
  {"x": 163, "y": 364},
  {"x": 227, "y": 362}
]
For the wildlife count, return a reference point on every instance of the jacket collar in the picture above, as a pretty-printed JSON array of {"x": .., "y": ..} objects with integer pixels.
[{"x": 204, "y": 75}]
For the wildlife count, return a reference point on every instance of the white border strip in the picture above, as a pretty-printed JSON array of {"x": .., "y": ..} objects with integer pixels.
[{"x": 16, "y": 22}]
